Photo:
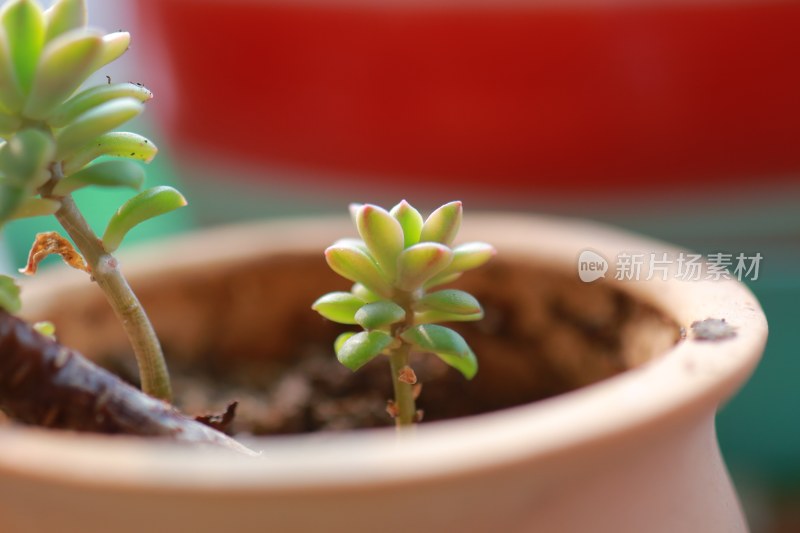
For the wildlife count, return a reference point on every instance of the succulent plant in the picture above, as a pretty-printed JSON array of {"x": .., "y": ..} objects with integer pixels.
[
  {"x": 398, "y": 266},
  {"x": 53, "y": 131}
]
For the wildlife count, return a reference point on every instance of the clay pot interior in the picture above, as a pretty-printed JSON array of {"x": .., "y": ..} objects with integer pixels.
[{"x": 244, "y": 331}]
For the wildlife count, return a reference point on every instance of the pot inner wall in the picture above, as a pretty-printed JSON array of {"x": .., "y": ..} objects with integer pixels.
[{"x": 246, "y": 333}]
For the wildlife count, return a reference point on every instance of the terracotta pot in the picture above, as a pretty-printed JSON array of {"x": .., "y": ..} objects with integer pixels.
[
  {"x": 341, "y": 91},
  {"x": 631, "y": 453}
]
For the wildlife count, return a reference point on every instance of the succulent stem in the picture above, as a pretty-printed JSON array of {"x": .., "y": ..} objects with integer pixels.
[
  {"x": 403, "y": 392},
  {"x": 398, "y": 359},
  {"x": 106, "y": 272}
]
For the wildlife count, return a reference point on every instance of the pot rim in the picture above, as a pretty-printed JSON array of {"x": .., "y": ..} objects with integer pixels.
[{"x": 691, "y": 379}]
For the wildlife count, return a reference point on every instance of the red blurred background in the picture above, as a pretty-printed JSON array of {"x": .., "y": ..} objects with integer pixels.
[{"x": 517, "y": 97}]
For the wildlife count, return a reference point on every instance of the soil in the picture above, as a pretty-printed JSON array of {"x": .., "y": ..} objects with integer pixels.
[{"x": 246, "y": 333}]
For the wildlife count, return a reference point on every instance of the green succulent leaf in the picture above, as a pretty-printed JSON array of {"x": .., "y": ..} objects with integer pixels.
[
  {"x": 11, "y": 96},
  {"x": 448, "y": 345},
  {"x": 64, "y": 16},
  {"x": 340, "y": 307},
  {"x": 421, "y": 262},
  {"x": 144, "y": 206},
  {"x": 36, "y": 207},
  {"x": 95, "y": 122},
  {"x": 364, "y": 293},
  {"x": 467, "y": 256},
  {"x": 379, "y": 314},
  {"x": 65, "y": 64},
  {"x": 443, "y": 224},
  {"x": 471, "y": 255},
  {"x": 114, "y": 45},
  {"x": 93, "y": 97},
  {"x": 354, "y": 243},
  {"x": 434, "y": 317},
  {"x": 114, "y": 144},
  {"x": 9, "y": 295},
  {"x": 104, "y": 174},
  {"x": 341, "y": 339},
  {"x": 383, "y": 236},
  {"x": 26, "y": 155},
  {"x": 362, "y": 347},
  {"x": 449, "y": 301},
  {"x": 442, "y": 279},
  {"x": 24, "y": 25},
  {"x": 410, "y": 220},
  {"x": 353, "y": 263}
]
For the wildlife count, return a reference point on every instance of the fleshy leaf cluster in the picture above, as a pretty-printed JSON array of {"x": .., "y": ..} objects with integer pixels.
[
  {"x": 398, "y": 267},
  {"x": 53, "y": 130}
]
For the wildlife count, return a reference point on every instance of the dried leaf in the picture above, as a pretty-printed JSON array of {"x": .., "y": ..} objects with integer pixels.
[
  {"x": 220, "y": 421},
  {"x": 50, "y": 243},
  {"x": 407, "y": 375}
]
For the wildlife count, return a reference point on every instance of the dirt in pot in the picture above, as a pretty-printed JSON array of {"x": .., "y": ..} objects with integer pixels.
[{"x": 246, "y": 333}]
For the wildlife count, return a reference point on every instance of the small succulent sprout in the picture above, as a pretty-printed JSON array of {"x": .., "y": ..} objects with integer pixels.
[
  {"x": 398, "y": 258},
  {"x": 9, "y": 295},
  {"x": 144, "y": 206}
]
